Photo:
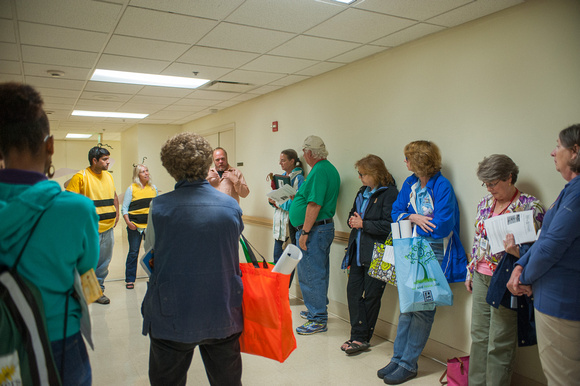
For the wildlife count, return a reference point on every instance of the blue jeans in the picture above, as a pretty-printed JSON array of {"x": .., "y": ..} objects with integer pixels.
[
  {"x": 134, "y": 237},
  {"x": 314, "y": 271},
  {"x": 77, "y": 368},
  {"x": 412, "y": 334},
  {"x": 278, "y": 250},
  {"x": 106, "y": 243}
]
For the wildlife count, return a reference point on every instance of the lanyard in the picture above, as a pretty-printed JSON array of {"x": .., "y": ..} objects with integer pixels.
[{"x": 504, "y": 209}]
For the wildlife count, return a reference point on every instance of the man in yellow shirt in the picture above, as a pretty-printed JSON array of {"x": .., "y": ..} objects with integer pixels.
[{"x": 96, "y": 183}]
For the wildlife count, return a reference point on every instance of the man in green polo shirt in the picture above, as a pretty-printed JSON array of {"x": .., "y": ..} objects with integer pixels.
[{"x": 311, "y": 212}]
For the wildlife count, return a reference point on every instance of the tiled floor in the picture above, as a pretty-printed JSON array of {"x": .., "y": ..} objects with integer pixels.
[{"x": 121, "y": 353}]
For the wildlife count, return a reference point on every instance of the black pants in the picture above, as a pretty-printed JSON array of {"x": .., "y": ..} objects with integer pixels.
[
  {"x": 364, "y": 302},
  {"x": 169, "y": 361}
]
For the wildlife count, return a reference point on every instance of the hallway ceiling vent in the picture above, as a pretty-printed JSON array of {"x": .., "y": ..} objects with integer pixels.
[{"x": 227, "y": 86}]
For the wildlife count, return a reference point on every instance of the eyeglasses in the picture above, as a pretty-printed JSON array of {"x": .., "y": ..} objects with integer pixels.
[
  {"x": 360, "y": 174},
  {"x": 490, "y": 185}
]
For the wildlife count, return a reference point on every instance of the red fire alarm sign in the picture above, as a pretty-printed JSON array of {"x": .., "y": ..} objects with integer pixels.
[{"x": 274, "y": 126}]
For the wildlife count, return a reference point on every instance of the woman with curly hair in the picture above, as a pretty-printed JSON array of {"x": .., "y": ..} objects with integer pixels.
[
  {"x": 370, "y": 221},
  {"x": 428, "y": 200},
  {"x": 194, "y": 297}
]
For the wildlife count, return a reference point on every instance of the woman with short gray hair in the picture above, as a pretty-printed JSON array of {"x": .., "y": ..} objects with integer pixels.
[{"x": 494, "y": 320}]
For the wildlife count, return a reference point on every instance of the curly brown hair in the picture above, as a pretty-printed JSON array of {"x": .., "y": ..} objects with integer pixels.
[
  {"x": 187, "y": 156},
  {"x": 374, "y": 166},
  {"x": 424, "y": 158}
]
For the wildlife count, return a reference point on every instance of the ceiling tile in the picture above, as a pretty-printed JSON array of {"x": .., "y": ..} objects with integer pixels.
[
  {"x": 193, "y": 102},
  {"x": 252, "y": 77},
  {"x": 7, "y": 30},
  {"x": 278, "y": 64},
  {"x": 169, "y": 114},
  {"x": 107, "y": 97},
  {"x": 34, "y": 69},
  {"x": 57, "y": 83},
  {"x": 83, "y": 14},
  {"x": 144, "y": 48},
  {"x": 60, "y": 37},
  {"x": 358, "y": 53},
  {"x": 242, "y": 38},
  {"x": 360, "y": 26},
  {"x": 187, "y": 70},
  {"x": 6, "y": 9},
  {"x": 141, "y": 108},
  {"x": 216, "y": 57},
  {"x": 472, "y": 11},
  {"x": 153, "y": 100},
  {"x": 115, "y": 88},
  {"x": 150, "y": 24},
  {"x": 288, "y": 80},
  {"x": 414, "y": 32},
  {"x": 57, "y": 56},
  {"x": 165, "y": 91},
  {"x": 213, "y": 95},
  {"x": 265, "y": 89},
  {"x": 211, "y": 9},
  {"x": 189, "y": 108},
  {"x": 9, "y": 51},
  {"x": 291, "y": 16},
  {"x": 11, "y": 78},
  {"x": 126, "y": 63},
  {"x": 320, "y": 68},
  {"x": 309, "y": 47},
  {"x": 45, "y": 92},
  {"x": 95, "y": 105},
  {"x": 412, "y": 9},
  {"x": 10, "y": 67}
]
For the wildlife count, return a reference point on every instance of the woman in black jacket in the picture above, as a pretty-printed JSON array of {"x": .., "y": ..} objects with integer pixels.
[{"x": 370, "y": 221}]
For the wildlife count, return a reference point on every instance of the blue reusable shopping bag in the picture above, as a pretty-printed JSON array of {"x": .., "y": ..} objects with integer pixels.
[{"x": 421, "y": 283}]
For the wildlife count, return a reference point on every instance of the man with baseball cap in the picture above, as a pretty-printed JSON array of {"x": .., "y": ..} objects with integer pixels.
[{"x": 311, "y": 212}]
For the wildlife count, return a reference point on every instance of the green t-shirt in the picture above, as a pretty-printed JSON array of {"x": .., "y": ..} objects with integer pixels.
[{"x": 321, "y": 187}]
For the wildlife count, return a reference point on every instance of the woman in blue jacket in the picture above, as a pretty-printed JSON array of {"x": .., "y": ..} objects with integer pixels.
[
  {"x": 551, "y": 269},
  {"x": 428, "y": 200}
]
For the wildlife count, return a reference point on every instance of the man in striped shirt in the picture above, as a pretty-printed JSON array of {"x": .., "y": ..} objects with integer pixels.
[{"x": 96, "y": 183}]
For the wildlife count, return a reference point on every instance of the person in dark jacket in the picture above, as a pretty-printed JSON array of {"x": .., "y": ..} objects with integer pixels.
[
  {"x": 370, "y": 221},
  {"x": 194, "y": 297}
]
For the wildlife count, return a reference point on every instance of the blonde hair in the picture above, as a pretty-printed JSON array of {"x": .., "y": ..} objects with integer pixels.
[
  {"x": 138, "y": 169},
  {"x": 374, "y": 166}
]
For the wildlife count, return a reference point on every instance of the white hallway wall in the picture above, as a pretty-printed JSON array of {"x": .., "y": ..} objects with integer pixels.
[{"x": 504, "y": 84}]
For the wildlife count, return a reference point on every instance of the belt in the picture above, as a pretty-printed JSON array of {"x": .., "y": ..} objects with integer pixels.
[{"x": 320, "y": 222}]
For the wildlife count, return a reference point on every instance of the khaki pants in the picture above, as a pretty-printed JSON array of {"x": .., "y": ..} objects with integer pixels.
[
  {"x": 494, "y": 335},
  {"x": 559, "y": 347}
]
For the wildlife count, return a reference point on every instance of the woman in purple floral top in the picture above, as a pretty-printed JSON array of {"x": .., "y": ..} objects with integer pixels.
[{"x": 494, "y": 325}]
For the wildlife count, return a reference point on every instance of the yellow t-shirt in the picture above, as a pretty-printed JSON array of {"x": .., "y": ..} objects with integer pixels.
[
  {"x": 139, "y": 207},
  {"x": 101, "y": 189}
]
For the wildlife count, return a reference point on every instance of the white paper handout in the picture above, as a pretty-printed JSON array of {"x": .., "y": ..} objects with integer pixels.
[
  {"x": 521, "y": 224},
  {"x": 283, "y": 194}
]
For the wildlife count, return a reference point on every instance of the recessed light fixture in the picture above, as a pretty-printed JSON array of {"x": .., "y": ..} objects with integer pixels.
[
  {"x": 106, "y": 114},
  {"x": 146, "y": 79},
  {"x": 78, "y": 136},
  {"x": 344, "y": 1}
]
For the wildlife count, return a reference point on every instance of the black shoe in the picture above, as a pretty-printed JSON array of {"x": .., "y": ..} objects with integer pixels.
[
  {"x": 388, "y": 369},
  {"x": 400, "y": 375},
  {"x": 103, "y": 300}
]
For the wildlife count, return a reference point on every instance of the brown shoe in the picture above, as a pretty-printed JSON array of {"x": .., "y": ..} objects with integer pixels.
[{"x": 103, "y": 300}]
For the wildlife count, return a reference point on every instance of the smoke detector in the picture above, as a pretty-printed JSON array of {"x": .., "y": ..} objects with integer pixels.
[{"x": 55, "y": 73}]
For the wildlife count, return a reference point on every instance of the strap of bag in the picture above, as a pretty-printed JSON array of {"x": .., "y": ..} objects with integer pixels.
[
  {"x": 249, "y": 248},
  {"x": 15, "y": 265}
]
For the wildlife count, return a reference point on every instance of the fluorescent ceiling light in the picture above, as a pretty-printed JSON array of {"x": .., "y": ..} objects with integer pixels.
[
  {"x": 345, "y": 1},
  {"x": 147, "y": 79},
  {"x": 106, "y": 114},
  {"x": 80, "y": 136}
]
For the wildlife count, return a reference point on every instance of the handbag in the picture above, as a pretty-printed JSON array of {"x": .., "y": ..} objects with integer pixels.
[
  {"x": 420, "y": 280},
  {"x": 268, "y": 328},
  {"x": 382, "y": 267},
  {"x": 457, "y": 372}
]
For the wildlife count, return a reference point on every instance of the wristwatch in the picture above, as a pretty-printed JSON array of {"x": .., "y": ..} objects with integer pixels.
[{"x": 306, "y": 233}]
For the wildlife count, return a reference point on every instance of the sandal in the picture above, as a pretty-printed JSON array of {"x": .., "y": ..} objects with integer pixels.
[
  {"x": 346, "y": 345},
  {"x": 130, "y": 285},
  {"x": 357, "y": 347}
]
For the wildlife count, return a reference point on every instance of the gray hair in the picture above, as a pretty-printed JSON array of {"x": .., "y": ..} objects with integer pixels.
[
  {"x": 497, "y": 167},
  {"x": 319, "y": 153},
  {"x": 569, "y": 138},
  {"x": 187, "y": 156}
]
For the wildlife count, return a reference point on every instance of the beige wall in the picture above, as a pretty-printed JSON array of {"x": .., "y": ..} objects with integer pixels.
[{"x": 504, "y": 84}]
